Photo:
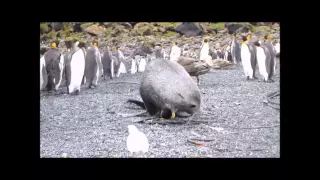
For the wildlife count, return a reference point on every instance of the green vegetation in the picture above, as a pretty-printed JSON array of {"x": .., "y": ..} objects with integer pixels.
[
  {"x": 44, "y": 27},
  {"x": 52, "y": 34},
  {"x": 169, "y": 24},
  {"x": 170, "y": 34},
  {"x": 85, "y": 25},
  {"x": 218, "y": 26}
]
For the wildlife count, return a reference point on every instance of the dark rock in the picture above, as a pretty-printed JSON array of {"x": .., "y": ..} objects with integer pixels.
[
  {"x": 77, "y": 27},
  {"x": 95, "y": 30},
  {"x": 233, "y": 27},
  {"x": 170, "y": 28},
  {"x": 56, "y": 26},
  {"x": 243, "y": 29},
  {"x": 147, "y": 32},
  {"x": 142, "y": 50},
  {"x": 44, "y": 38},
  {"x": 127, "y": 25},
  {"x": 188, "y": 29}
]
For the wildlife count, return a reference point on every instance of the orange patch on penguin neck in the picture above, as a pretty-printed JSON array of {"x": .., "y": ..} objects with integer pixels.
[{"x": 54, "y": 45}]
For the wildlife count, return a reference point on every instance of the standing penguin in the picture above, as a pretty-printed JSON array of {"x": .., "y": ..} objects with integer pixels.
[
  {"x": 43, "y": 73},
  {"x": 277, "y": 49},
  {"x": 204, "y": 50},
  {"x": 175, "y": 52},
  {"x": 107, "y": 64},
  {"x": 160, "y": 52},
  {"x": 220, "y": 54},
  {"x": 54, "y": 63},
  {"x": 213, "y": 53},
  {"x": 235, "y": 50},
  {"x": 264, "y": 61},
  {"x": 74, "y": 69},
  {"x": 119, "y": 63},
  {"x": 248, "y": 57},
  {"x": 273, "y": 63},
  {"x": 134, "y": 68},
  {"x": 142, "y": 64},
  {"x": 93, "y": 65}
]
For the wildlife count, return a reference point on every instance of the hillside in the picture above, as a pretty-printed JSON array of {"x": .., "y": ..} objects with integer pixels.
[{"x": 128, "y": 34}]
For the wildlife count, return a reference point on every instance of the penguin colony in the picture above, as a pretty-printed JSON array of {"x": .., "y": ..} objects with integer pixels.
[{"x": 85, "y": 65}]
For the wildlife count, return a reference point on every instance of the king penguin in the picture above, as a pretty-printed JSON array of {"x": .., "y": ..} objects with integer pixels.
[
  {"x": 175, "y": 52},
  {"x": 204, "y": 50},
  {"x": 142, "y": 64},
  {"x": 273, "y": 63},
  {"x": 54, "y": 63},
  {"x": 107, "y": 64},
  {"x": 160, "y": 52},
  {"x": 93, "y": 65},
  {"x": 235, "y": 50},
  {"x": 248, "y": 58},
  {"x": 134, "y": 68},
  {"x": 43, "y": 73},
  {"x": 74, "y": 69},
  {"x": 119, "y": 66},
  {"x": 264, "y": 61}
]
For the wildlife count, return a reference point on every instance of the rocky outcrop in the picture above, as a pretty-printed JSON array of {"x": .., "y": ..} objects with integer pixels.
[
  {"x": 77, "y": 27},
  {"x": 56, "y": 26},
  {"x": 95, "y": 30},
  {"x": 188, "y": 29},
  {"x": 237, "y": 28}
]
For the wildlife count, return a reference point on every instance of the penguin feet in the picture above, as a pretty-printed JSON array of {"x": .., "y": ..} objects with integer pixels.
[
  {"x": 268, "y": 81},
  {"x": 249, "y": 78}
]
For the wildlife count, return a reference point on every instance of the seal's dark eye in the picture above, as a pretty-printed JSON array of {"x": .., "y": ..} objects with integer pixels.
[{"x": 192, "y": 106}]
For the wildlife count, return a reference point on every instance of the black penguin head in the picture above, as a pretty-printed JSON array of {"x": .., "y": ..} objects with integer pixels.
[{"x": 205, "y": 40}]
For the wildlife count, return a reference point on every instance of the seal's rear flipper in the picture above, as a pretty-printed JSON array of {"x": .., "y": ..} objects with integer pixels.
[{"x": 139, "y": 103}]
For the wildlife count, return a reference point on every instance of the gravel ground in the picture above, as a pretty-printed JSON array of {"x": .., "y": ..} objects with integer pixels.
[{"x": 87, "y": 125}]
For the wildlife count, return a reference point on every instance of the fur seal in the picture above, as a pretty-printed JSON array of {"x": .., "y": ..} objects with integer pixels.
[
  {"x": 195, "y": 67},
  {"x": 167, "y": 89},
  {"x": 54, "y": 63},
  {"x": 93, "y": 65},
  {"x": 74, "y": 69}
]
